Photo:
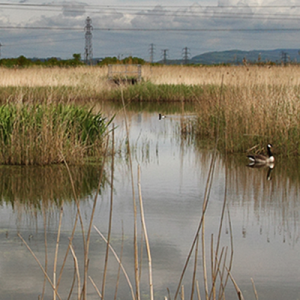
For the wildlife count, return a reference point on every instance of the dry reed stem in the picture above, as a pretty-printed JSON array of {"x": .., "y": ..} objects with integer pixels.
[
  {"x": 195, "y": 269},
  {"x": 203, "y": 255},
  {"x": 222, "y": 287},
  {"x": 212, "y": 265},
  {"x": 205, "y": 201},
  {"x": 110, "y": 214},
  {"x": 141, "y": 254},
  {"x": 95, "y": 286},
  {"x": 119, "y": 268},
  {"x": 56, "y": 249},
  {"x": 136, "y": 259},
  {"x": 182, "y": 292},
  {"x": 146, "y": 235},
  {"x": 118, "y": 260},
  {"x": 78, "y": 215},
  {"x": 86, "y": 258},
  {"x": 218, "y": 262},
  {"x": 46, "y": 251},
  {"x": 40, "y": 265},
  {"x": 198, "y": 290},
  {"x": 254, "y": 289},
  {"x": 238, "y": 291},
  {"x": 77, "y": 272},
  {"x": 73, "y": 283}
]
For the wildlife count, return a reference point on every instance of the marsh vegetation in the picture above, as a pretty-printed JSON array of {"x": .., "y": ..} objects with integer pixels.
[{"x": 243, "y": 106}]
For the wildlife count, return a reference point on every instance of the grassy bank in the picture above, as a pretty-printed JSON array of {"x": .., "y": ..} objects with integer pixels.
[{"x": 47, "y": 134}]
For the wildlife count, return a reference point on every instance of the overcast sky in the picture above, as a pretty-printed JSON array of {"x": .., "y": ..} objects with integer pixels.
[{"x": 128, "y": 27}]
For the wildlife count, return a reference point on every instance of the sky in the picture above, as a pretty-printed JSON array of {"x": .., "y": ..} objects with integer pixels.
[{"x": 128, "y": 27}]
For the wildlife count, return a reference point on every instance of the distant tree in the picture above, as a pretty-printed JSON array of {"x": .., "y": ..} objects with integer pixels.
[
  {"x": 22, "y": 61},
  {"x": 77, "y": 56},
  {"x": 126, "y": 60}
]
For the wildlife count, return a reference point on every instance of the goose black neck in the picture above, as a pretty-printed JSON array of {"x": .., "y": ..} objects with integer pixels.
[{"x": 269, "y": 152}]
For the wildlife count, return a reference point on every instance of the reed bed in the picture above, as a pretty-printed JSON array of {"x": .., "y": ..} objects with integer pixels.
[
  {"x": 253, "y": 105},
  {"x": 47, "y": 134},
  {"x": 251, "y": 116}
]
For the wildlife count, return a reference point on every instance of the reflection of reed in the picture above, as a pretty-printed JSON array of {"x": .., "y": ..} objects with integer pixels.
[
  {"x": 30, "y": 185},
  {"x": 273, "y": 202}
]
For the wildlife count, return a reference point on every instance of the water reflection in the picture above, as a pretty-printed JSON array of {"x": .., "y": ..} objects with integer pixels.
[
  {"x": 263, "y": 204},
  {"x": 29, "y": 185}
]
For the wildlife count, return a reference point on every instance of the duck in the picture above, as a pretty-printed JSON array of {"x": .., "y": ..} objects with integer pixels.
[
  {"x": 160, "y": 116},
  {"x": 261, "y": 159}
]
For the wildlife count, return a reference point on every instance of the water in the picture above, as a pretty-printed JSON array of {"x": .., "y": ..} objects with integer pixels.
[{"x": 263, "y": 215}]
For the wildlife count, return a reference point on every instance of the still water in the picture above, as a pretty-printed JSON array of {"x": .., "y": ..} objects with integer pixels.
[{"x": 262, "y": 211}]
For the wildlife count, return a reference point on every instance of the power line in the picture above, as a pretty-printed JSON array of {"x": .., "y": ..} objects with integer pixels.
[
  {"x": 104, "y": 9},
  {"x": 144, "y": 6},
  {"x": 150, "y": 29}
]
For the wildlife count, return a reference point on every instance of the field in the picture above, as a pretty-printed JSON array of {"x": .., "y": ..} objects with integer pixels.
[{"x": 240, "y": 106}]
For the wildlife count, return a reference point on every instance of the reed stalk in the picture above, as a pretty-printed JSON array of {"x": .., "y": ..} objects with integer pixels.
[
  {"x": 238, "y": 291},
  {"x": 205, "y": 204},
  {"x": 136, "y": 259},
  {"x": 146, "y": 235},
  {"x": 56, "y": 249},
  {"x": 95, "y": 287},
  {"x": 46, "y": 251},
  {"x": 254, "y": 289},
  {"x": 40, "y": 265},
  {"x": 77, "y": 272},
  {"x": 195, "y": 269},
  {"x": 110, "y": 215},
  {"x": 119, "y": 262},
  {"x": 119, "y": 268}
]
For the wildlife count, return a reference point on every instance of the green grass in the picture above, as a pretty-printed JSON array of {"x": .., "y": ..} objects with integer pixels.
[
  {"x": 46, "y": 134},
  {"x": 149, "y": 92}
]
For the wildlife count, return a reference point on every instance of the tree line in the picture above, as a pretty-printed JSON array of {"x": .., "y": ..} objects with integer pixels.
[{"x": 76, "y": 61}]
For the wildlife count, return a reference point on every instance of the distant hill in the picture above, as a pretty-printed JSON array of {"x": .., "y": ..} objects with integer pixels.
[{"x": 237, "y": 56}]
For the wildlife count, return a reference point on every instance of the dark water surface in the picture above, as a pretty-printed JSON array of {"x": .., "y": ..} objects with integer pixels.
[{"x": 263, "y": 213}]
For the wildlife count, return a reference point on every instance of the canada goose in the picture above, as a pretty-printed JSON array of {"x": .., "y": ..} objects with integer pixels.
[
  {"x": 262, "y": 159},
  {"x": 160, "y": 116}
]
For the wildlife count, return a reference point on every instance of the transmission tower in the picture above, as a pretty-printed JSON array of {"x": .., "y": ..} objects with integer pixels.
[
  {"x": 185, "y": 55},
  {"x": 165, "y": 55},
  {"x": 284, "y": 57},
  {"x": 88, "y": 50},
  {"x": 152, "y": 51}
]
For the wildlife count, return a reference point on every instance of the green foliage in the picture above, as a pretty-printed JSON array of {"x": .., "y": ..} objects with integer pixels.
[
  {"x": 126, "y": 60},
  {"x": 147, "y": 91},
  {"x": 22, "y": 62},
  {"x": 46, "y": 134}
]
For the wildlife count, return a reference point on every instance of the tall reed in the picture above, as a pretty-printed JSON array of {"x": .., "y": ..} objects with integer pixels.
[
  {"x": 46, "y": 134},
  {"x": 251, "y": 115}
]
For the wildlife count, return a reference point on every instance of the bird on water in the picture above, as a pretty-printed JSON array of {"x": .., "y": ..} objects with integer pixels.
[
  {"x": 160, "y": 116},
  {"x": 261, "y": 159}
]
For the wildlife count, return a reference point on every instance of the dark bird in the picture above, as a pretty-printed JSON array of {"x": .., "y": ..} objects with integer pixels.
[
  {"x": 160, "y": 116},
  {"x": 261, "y": 159}
]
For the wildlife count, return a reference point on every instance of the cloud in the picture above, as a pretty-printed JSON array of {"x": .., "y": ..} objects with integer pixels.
[
  {"x": 73, "y": 9},
  {"x": 203, "y": 25}
]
